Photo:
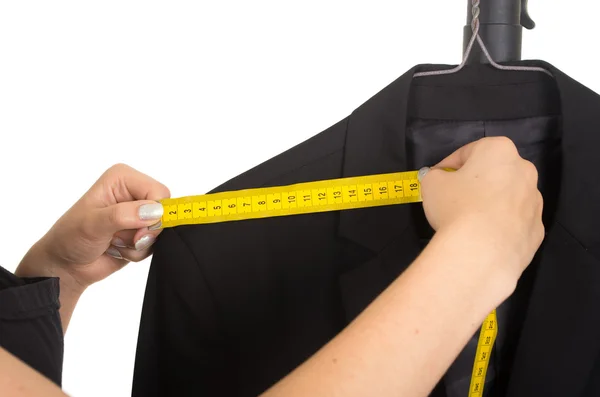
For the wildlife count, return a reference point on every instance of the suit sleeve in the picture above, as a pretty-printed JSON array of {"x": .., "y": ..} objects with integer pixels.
[
  {"x": 30, "y": 326},
  {"x": 180, "y": 349}
]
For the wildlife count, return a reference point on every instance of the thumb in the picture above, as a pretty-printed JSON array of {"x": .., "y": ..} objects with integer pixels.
[
  {"x": 426, "y": 170},
  {"x": 436, "y": 178},
  {"x": 124, "y": 216}
]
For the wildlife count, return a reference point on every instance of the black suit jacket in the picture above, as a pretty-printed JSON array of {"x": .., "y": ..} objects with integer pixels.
[{"x": 231, "y": 308}]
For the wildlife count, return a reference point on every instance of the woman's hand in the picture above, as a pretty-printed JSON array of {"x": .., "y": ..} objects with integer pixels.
[
  {"x": 102, "y": 232},
  {"x": 492, "y": 199}
]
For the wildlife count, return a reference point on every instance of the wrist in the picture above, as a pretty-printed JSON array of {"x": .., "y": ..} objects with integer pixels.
[
  {"x": 475, "y": 261},
  {"x": 39, "y": 262}
]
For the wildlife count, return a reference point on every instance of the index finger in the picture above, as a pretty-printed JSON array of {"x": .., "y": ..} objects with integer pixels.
[
  {"x": 128, "y": 184},
  {"x": 458, "y": 159}
]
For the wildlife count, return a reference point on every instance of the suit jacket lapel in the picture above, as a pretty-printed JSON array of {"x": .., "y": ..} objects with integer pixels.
[
  {"x": 375, "y": 143},
  {"x": 560, "y": 340}
]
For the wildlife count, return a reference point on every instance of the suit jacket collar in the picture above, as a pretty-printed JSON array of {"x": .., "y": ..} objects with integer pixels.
[
  {"x": 562, "y": 315},
  {"x": 383, "y": 120}
]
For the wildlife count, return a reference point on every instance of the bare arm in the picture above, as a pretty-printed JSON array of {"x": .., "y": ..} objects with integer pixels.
[
  {"x": 405, "y": 341},
  {"x": 19, "y": 380}
]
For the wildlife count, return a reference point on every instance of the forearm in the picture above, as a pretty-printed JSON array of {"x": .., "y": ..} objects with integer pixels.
[
  {"x": 37, "y": 263},
  {"x": 403, "y": 343},
  {"x": 19, "y": 380}
]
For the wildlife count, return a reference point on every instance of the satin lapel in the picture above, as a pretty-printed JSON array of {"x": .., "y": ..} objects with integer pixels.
[{"x": 560, "y": 339}]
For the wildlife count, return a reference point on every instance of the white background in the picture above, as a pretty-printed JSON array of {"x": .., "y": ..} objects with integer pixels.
[{"x": 194, "y": 93}]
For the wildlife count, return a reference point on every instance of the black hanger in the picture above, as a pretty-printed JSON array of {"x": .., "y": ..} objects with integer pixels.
[
  {"x": 501, "y": 28},
  {"x": 493, "y": 34}
]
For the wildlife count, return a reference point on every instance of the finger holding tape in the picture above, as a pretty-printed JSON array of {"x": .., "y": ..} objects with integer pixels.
[
  {"x": 139, "y": 239},
  {"x": 125, "y": 255}
]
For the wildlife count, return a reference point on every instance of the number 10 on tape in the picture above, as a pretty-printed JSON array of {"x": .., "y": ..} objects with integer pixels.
[{"x": 302, "y": 198}]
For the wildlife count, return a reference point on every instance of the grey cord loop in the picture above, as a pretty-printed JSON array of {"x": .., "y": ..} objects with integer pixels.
[{"x": 475, "y": 27}]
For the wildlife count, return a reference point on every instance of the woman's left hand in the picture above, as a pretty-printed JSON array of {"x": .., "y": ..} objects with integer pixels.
[{"x": 104, "y": 230}]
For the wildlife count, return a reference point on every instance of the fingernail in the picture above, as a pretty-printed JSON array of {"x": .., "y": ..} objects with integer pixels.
[
  {"x": 156, "y": 226},
  {"x": 117, "y": 242},
  {"x": 112, "y": 251},
  {"x": 422, "y": 172},
  {"x": 144, "y": 242},
  {"x": 149, "y": 212}
]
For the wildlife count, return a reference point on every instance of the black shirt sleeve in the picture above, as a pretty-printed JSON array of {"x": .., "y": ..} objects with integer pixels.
[{"x": 30, "y": 325}]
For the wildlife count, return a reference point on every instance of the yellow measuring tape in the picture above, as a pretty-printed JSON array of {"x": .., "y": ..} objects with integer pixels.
[
  {"x": 301, "y": 198},
  {"x": 312, "y": 197},
  {"x": 487, "y": 337}
]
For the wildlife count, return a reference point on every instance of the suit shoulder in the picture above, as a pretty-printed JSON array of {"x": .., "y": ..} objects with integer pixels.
[{"x": 281, "y": 168}]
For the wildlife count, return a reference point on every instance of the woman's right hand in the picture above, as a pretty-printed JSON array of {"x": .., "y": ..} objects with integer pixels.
[{"x": 492, "y": 200}]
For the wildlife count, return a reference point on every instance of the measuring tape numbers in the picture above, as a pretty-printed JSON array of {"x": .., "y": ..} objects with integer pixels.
[
  {"x": 487, "y": 337},
  {"x": 302, "y": 198},
  {"x": 312, "y": 197}
]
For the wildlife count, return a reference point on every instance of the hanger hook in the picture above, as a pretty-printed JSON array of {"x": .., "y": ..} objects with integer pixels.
[{"x": 526, "y": 20}]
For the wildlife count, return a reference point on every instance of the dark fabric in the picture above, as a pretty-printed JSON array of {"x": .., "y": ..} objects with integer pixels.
[
  {"x": 30, "y": 325},
  {"x": 232, "y": 308}
]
